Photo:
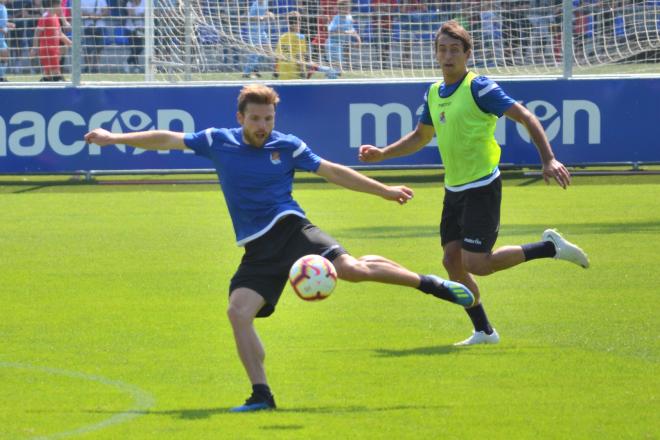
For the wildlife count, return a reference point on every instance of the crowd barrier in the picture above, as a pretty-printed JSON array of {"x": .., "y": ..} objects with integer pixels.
[{"x": 588, "y": 121}]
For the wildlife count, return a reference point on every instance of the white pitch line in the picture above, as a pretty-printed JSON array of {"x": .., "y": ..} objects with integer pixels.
[{"x": 142, "y": 401}]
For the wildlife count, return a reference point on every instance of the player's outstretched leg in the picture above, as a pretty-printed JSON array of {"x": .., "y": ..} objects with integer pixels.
[
  {"x": 380, "y": 269},
  {"x": 565, "y": 250}
]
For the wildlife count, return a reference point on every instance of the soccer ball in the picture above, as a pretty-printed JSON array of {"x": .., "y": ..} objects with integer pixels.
[{"x": 313, "y": 277}]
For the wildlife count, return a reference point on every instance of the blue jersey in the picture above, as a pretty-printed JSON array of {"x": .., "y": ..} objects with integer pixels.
[
  {"x": 341, "y": 24},
  {"x": 256, "y": 181},
  {"x": 487, "y": 94},
  {"x": 4, "y": 29}
]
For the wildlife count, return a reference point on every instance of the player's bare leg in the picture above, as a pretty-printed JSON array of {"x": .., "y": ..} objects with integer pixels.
[
  {"x": 454, "y": 264},
  {"x": 244, "y": 304},
  {"x": 382, "y": 270}
]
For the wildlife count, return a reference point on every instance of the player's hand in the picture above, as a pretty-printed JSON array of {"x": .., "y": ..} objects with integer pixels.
[
  {"x": 100, "y": 137},
  {"x": 554, "y": 169},
  {"x": 400, "y": 194},
  {"x": 369, "y": 153}
]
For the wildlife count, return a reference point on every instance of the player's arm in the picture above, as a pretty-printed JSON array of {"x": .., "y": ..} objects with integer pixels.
[
  {"x": 351, "y": 179},
  {"x": 148, "y": 140},
  {"x": 64, "y": 39},
  {"x": 35, "y": 40},
  {"x": 408, "y": 144},
  {"x": 552, "y": 168}
]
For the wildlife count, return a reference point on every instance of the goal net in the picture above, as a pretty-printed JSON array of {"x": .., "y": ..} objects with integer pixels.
[{"x": 188, "y": 40}]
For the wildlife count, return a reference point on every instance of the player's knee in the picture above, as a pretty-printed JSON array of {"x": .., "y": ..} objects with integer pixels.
[
  {"x": 452, "y": 264},
  {"x": 237, "y": 314},
  {"x": 478, "y": 265}
]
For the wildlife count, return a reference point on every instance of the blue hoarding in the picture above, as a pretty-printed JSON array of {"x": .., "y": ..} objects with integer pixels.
[{"x": 587, "y": 121}]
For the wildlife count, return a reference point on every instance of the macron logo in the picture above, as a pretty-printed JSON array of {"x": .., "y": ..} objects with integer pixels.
[{"x": 472, "y": 240}]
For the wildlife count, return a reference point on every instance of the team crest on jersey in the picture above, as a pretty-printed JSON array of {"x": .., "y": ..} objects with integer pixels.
[
  {"x": 442, "y": 118},
  {"x": 275, "y": 157}
]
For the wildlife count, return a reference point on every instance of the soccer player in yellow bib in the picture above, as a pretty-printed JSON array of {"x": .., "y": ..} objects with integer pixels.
[
  {"x": 292, "y": 50},
  {"x": 462, "y": 111}
]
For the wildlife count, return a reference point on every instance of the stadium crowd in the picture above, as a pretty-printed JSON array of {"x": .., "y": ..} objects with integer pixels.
[{"x": 508, "y": 32}]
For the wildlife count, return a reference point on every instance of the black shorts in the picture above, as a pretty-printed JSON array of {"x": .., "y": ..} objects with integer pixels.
[
  {"x": 472, "y": 216},
  {"x": 93, "y": 39},
  {"x": 267, "y": 260}
]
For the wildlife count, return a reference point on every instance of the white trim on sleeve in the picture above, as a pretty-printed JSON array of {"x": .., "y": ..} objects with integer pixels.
[
  {"x": 209, "y": 138},
  {"x": 300, "y": 149},
  {"x": 487, "y": 89}
]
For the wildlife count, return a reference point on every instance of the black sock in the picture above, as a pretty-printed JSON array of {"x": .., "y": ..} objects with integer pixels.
[
  {"x": 541, "y": 249},
  {"x": 479, "y": 319},
  {"x": 426, "y": 284},
  {"x": 262, "y": 390}
]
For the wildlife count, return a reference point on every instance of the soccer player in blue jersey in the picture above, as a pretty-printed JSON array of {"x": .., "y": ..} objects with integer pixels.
[
  {"x": 461, "y": 111},
  {"x": 255, "y": 166}
]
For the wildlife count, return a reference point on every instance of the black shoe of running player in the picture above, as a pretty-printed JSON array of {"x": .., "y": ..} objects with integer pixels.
[{"x": 256, "y": 403}]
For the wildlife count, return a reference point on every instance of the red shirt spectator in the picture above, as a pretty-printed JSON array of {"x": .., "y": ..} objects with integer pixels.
[
  {"x": 47, "y": 39},
  {"x": 329, "y": 7},
  {"x": 65, "y": 8},
  {"x": 49, "y": 30}
]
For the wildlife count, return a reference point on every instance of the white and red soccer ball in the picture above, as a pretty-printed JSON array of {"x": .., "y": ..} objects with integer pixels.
[{"x": 313, "y": 277}]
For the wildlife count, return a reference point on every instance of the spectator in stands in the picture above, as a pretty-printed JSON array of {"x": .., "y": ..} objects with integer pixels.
[
  {"x": 491, "y": 33},
  {"x": 293, "y": 54},
  {"x": 341, "y": 32},
  {"x": 135, "y": 27},
  {"x": 515, "y": 31},
  {"x": 65, "y": 16},
  {"x": 292, "y": 51},
  {"x": 310, "y": 12},
  {"x": 540, "y": 17},
  {"x": 24, "y": 15},
  {"x": 47, "y": 39},
  {"x": 93, "y": 13},
  {"x": 381, "y": 27},
  {"x": 411, "y": 11},
  {"x": 259, "y": 21},
  {"x": 5, "y": 25}
]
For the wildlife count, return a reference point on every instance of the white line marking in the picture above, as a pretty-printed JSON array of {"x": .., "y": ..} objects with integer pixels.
[{"x": 142, "y": 401}]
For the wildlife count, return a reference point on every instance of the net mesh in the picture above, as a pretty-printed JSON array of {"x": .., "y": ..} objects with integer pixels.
[{"x": 190, "y": 40}]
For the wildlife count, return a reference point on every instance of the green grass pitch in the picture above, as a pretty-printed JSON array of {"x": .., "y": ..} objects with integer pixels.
[{"x": 113, "y": 323}]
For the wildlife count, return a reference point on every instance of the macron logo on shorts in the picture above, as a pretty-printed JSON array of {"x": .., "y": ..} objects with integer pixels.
[{"x": 472, "y": 241}]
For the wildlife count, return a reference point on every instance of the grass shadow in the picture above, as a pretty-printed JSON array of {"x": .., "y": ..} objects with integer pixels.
[
  {"x": 433, "y": 350},
  {"x": 205, "y": 413},
  {"x": 25, "y": 187}
]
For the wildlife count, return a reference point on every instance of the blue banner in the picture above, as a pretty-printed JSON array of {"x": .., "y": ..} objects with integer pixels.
[{"x": 587, "y": 121}]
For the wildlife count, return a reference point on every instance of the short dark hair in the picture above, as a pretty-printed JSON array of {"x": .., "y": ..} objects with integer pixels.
[
  {"x": 456, "y": 31},
  {"x": 257, "y": 94},
  {"x": 293, "y": 18}
]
